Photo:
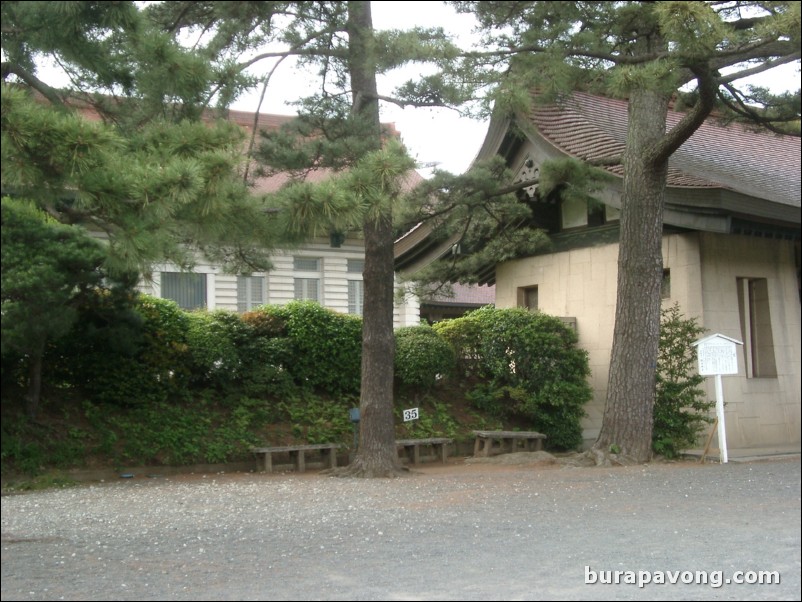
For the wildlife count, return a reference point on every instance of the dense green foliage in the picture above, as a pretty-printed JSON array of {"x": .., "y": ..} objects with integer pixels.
[
  {"x": 50, "y": 273},
  {"x": 145, "y": 382},
  {"x": 322, "y": 349},
  {"x": 165, "y": 386},
  {"x": 422, "y": 357},
  {"x": 139, "y": 360},
  {"x": 680, "y": 408},
  {"x": 529, "y": 366}
]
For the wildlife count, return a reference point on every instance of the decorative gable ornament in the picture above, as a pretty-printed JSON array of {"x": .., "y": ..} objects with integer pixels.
[{"x": 528, "y": 171}]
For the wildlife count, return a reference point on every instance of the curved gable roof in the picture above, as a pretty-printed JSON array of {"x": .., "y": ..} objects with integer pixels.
[{"x": 730, "y": 156}]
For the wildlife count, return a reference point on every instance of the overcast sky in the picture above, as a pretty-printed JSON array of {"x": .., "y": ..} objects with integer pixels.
[{"x": 431, "y": 135}]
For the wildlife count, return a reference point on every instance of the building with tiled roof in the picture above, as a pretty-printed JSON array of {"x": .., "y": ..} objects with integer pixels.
[
  {"x": 326, "y": 270},
  {"x": 731, "y": 251}
]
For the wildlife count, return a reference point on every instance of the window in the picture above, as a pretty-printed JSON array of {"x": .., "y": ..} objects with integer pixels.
[
  {"x": 356, "y": 266},
  {"x": 250, "y": 292},
  {"x": 356, "y": 294},
  {"x": 307, "y": 289},
  {"x": 753, "y": 309},
  {"x": 306, "y": 264},
  {"x": 185, "y": 288},
  {"x": 576, "y": 213},
  {"x": 527, "y": 297},
  {"x": 356, "y": 288},
  {"x": 307, "y": 282}
]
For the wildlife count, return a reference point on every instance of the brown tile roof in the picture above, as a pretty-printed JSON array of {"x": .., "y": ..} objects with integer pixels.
[
  {"x": 268, "y": 184},
  {"x": 731, "y": 156},
  {"x": 264, "y": 122},
  {"x": 270, "y": 122}
]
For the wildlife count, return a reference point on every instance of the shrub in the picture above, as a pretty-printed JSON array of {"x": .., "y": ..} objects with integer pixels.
[
  {"x": 322, "y": 349},
  {"x": 214, "y": 341},
  {"x": 532, "y": 369},
  {"x": 463, "y": 335},
  {"x": 421, "y": 356},
  {"x": 680, "y": 408},
  {"x": 318, "y": 420},
  {"x": 127, "y": 358}
]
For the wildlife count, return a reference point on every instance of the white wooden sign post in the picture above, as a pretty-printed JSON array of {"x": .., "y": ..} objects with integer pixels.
[{"x": 717, "y": 357}]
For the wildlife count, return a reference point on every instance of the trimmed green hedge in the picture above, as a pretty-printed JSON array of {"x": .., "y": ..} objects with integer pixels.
[
  {"x": 422, "y": 357},
  {"x": 530, "y": 367}
]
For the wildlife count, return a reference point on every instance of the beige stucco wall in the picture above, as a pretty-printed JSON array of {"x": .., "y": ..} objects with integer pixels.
[
  {"x": 759, "y": 412},
  {"x": 582, "y": 283}
]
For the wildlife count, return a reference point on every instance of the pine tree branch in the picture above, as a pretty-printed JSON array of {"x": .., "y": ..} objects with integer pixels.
[
  {"x": 679, "y": 134},
  {"x": 605, "y": 161},
  {"x": 50, "y": 93},
  {"x": 762, "y": 68},
  {"x": 739, "y": 107},
  {"x": 408, "y": 103}
]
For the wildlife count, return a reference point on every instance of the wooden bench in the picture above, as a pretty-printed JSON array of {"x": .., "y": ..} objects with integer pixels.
[
  {"x": 508, "y": 442},
  {"x": 411, "y": 448},
  {"x": 297, "y": 454}
]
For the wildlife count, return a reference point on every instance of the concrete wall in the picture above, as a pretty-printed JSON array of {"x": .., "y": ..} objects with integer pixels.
[
  {"x": 759, "y": 412},
  {"x": 581, "y": 283}
]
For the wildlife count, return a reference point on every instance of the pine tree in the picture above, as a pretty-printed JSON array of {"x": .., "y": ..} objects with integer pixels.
[
  {"x": 337, "y": 130},
  {"x": 49, "y": 270},
  {"x": 122, "y": 150}
]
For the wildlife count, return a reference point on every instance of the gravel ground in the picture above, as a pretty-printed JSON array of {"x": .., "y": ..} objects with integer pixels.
[{"x": 534, "y": 531}]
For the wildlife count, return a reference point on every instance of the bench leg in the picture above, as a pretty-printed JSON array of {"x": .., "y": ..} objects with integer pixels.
[
  {"x": 477, "y": 445},
  {"x": 416, "y": 454},
  {"x": 443, "y": 452},
  {"x": 538, "y": 444},
  {"x": 332, "y": 458},
  {"x": 268, "y": 462},
  {"x": 301, "y": 464}
]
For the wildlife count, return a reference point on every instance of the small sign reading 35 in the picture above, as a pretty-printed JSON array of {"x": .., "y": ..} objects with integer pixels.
[{"x": 410, "y": 414}]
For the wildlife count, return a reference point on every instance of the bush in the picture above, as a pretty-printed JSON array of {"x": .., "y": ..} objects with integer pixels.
[
  {"x": 127, "y": 357},
  {"x": 322, "y": 349},
  {"x": 463, "y": 335},
  {"x": 214, "y": 341},
  {"x": 680, "y": 408},
  {"x": 532, "y": 369},
  {"x": 421, "y": 356}
]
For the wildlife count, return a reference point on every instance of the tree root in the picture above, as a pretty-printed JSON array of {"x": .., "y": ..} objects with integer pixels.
[{"x": 606, "y": 458}]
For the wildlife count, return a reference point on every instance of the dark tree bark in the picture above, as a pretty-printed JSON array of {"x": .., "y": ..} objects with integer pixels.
[
  {"x": 34, "y": 382},
  {"x": 376, "y": 455},
  {"x": 627, "y": 423}
]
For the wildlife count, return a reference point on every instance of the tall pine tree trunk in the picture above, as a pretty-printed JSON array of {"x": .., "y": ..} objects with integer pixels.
[
  {"x": 376, "y": 455},
  {"x": 35, "y": 361},
  {"x": 627, "y": 423}
]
